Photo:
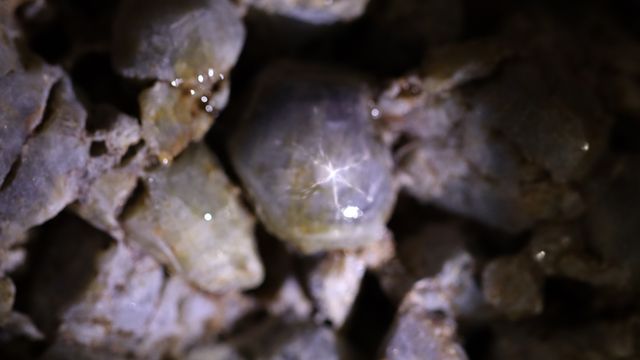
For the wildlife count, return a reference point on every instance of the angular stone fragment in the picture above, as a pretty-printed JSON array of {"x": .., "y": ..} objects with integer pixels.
[
  {"x": 105, "y": 199},
  {"x": 189, "y": 41},
  {"x": 191, "y": 219},
  {"x": 50, "y": 170},
  {"x": 505, "y": 150},
  {"x": 23, "y": 99},
  {"x": 334, "y": 282},
  {"x": 106, "y": 300},
  {"x": 319, "y": 12},
  {"x": 112, "y": 180},
  {"x": 307, "y": 154},
  {"x": 421, "y": 331},
  {"x": 129, "y": 308},
  {"x": 171, "y": 119}
]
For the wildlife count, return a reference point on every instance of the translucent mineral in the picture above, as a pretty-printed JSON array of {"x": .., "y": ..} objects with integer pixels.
[
  {"x": 503, "y": 150},
  {"x": 105, "y": 199},
  {"x": 49, "y": 172},
  {"x": 108, "y": 300},
  {"x": 334, "y": 281},
  {"x": 319, "y": 12},
  {"x": 113, "y": 179},
  {"x": 189, "y": 216},
  {"x": 290, "y": 300},
  {"x": 171, "y": 119},
  {"x": 23, "y": 99},
  {"x": 308, "y": 156},
  {"x": 189, "y": 41},
  {"x": 422, "y": 332},
  {"x": 511, "y": 129}
]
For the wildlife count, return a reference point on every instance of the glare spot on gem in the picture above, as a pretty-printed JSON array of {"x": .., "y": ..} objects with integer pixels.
[
  {"x": 208, "y": 217},
  {"x": 351, "y": 212}
]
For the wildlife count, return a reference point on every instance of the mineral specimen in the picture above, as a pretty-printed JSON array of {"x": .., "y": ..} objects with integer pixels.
[
  {"x": 318, "y": 12},
  {"x": 503, "y": 156},
  {"x": 421, "y": 331},
  {"x": 190, "y": 42},
  {"x": 334, "y": 281},
  {"x": 308, "y": 156},
  {"x": 48, "y": 175},
  {"x": 172, "y": 119},
  {"x": 113, "y": 179},
  {"x": 114, "y": 301},
  {"x": 190, "y": 217},
  {"x": 423, "y": 179}
]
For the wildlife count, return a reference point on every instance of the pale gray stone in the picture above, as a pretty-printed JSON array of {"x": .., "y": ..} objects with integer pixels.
[{"x": 308, "y": 156}]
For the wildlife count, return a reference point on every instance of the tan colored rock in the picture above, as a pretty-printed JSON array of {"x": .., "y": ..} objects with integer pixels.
[{"x": 190, "y": 219}]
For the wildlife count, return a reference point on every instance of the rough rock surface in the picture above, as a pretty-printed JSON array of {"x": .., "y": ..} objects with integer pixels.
[
  {"x": 176, "y": 40},
  {"x": 190, "y": 218},
  {"x": 51, "y": 166},
  {"x": 383, "y": 179}
]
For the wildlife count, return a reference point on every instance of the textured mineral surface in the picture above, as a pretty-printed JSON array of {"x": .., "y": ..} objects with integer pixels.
[
  {"x": 308, "y": 155},
  {"x": 319, "y": 179}
]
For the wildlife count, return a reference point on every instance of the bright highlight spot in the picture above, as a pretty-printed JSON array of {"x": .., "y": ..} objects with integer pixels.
[
  {"x": 208, "y": 217},
  {"x": 351, "y": 212}
]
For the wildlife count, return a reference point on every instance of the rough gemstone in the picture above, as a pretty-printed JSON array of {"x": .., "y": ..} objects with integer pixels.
[
  {"x": 308, "y": 156},
  {"x": 191, "y": 219},
  {"x": 169, "y": 40}
]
